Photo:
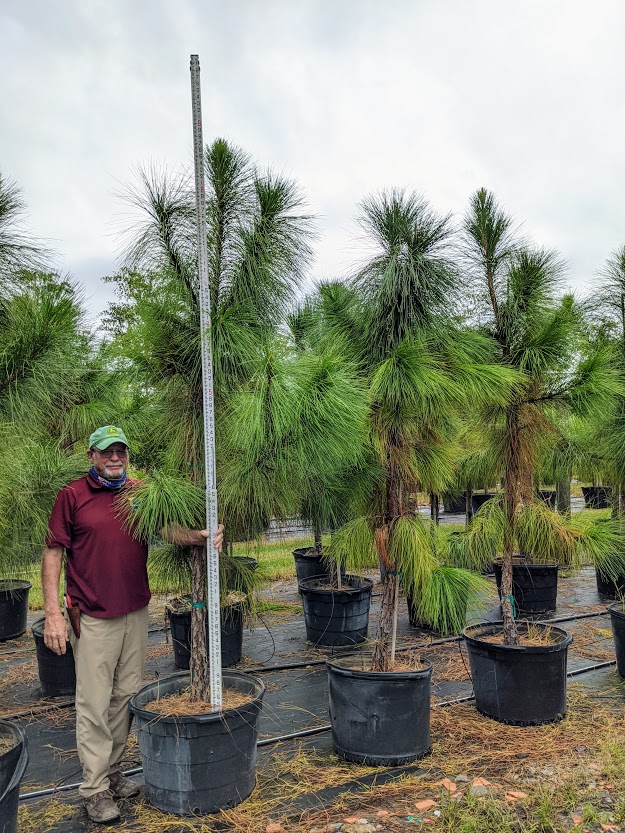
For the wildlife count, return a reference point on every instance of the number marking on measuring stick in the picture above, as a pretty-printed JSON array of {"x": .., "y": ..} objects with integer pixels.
[{"x": 212, "y": 556}]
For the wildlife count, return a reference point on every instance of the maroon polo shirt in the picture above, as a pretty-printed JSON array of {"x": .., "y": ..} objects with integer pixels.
[{"x": 106, "y": 568}]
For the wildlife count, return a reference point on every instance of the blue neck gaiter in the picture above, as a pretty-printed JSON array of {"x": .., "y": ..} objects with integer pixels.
[{"x": 108, "y": 484}]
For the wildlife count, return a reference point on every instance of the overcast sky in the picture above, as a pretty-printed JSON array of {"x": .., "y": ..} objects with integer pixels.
[{"x": 524, "y": 97}]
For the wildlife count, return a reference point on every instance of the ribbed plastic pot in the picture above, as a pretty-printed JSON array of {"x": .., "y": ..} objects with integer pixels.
[
  {"x": 379, "y": 718},
  {"x": 12, "y": 766},
  {"x": 597, "y": 497},
  {"x": 336, "y": 616},
  {"x": 478, "y": 499},
  {"x": 617, "y": 617},
  {"x": 548, "y": 496},
  {"x": 13, "y": 608},
  {"x": 309, "y": 563},
  {"x": 515, "y": 684},
  {"x": 57, "y": 674},
  {"x": 534, "y": 587},
  {"x": 455, "y": 504},
  {"x": 195, "y": 764},
  {"x": 611, "y": 588},
  {"x": 231, "y": 636},
  {"x": 247, "y": 561}
]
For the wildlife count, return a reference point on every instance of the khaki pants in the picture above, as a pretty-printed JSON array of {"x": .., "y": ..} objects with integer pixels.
[{"x": 110, "y": 656}]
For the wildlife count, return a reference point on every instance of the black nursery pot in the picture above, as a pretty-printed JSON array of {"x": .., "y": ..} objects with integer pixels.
[
  {"x": 379, "y": 718},
  {"x": 455, "y": 504},
  {"x": 534, "y": 587},
  {"x": 548, "y": 496},
  {"x": 617, "y": 618},
  {"x": 336, "y": 616},
  {"x": 231, "y": 635},
  {"x": 12, "y": 766},
  {"x": 308, "y": 563},
  {"x": 57, "y": 674},
  {"x": 478, "y": 499},
  {"x": 515, "y": 684},
  {"x": 13, "y": 608},
  {"x": 195, "y": 764},
  {"x": 597, "y": 497},
  {"x": 610, "y": 588}
]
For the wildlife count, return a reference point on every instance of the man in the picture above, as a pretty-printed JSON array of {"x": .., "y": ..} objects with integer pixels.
[{"x": 107, "y": 597}]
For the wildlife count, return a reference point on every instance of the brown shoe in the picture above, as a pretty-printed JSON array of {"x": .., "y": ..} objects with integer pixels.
[
  {"x": 101, "y": 807},
  {"x": 122, "y": 787}
]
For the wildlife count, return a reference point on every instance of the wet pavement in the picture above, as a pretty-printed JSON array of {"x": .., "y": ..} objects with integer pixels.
[{"x": 295, "y": 699}]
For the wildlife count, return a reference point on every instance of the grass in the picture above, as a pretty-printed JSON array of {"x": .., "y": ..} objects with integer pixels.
[{"x": 275, "y": 562}]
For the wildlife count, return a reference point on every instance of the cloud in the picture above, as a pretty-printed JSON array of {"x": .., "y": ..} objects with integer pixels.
[{"x": 522, "y": 97}]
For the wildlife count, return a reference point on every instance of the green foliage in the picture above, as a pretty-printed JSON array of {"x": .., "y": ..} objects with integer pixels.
[
  {"x": 540, "y": 535},
  {"x": 18, "y": 247},
  {"x": 55, "y": 388},
  {"x": 444, "y": 597},
  {"x": 160, "y": 501},
  {"x": 34, "y": 471},
  {"x": 353, "y": 545}
]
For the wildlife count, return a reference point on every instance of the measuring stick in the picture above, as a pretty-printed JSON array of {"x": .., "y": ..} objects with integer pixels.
[{"x": 212, "y": 556}]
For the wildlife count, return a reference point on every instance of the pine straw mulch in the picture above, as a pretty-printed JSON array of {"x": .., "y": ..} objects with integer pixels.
[
  {"x": 463, "y": 741},
  {"x": 19, "y": 673},
  {"x": 158, "y": 650},
  {"x": 592, "y": 642},
  {"x": 181, "y": 703},
  {"x": 6, "y": 743},
  {"x": 35, "y": 818}
]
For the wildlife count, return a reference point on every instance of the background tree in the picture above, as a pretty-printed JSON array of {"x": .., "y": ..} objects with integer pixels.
[
  {"x": 395, "y": 322},
  {"x": 19, "y": 249},
  {"x": 538, "y": 335}
]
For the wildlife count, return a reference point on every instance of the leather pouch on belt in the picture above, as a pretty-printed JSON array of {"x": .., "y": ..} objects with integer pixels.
[{"x": 73, "y": 614}]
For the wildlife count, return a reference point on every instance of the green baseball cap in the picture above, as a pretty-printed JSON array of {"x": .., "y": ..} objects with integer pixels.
[{"x": 107, "y": 435}]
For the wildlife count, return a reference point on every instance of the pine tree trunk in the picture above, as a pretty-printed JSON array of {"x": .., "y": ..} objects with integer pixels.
[
  {"x": 317, "y": 536},
  {"x": 200, "y": 681},
  {"x": 512, "y": 489},
  {"x": 468, "y": 505},
  {"x": 382, "y": 653},
  {"x": 434, "y": 507},
  {"x": 563, "y": 496}
]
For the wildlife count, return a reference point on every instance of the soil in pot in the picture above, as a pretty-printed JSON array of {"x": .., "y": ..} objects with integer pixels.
[
  {"x": 617, "y": 619},
  {"x": 534, "y": 587},
  {"x": 521, "y": 685},
  {"x": 13, "y": 761},
  {"x": 13, "y": 608},
  {"x": 379, "y": 718},
  {"x": 179, "y": 615},
  {"x": 57, "y": 674},
  {"x": 203, "y": 763},
  {"x": 336, "y": 616}
]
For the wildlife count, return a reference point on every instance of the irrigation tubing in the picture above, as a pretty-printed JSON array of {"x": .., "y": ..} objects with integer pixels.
[
  {"x": 303, "y": 733},
  {"x": 293, "y": 666}
]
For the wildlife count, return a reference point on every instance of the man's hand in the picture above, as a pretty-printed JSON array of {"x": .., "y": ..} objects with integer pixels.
[
  {"x": 55, "y": 633},
  {"x": 192, "y": 537},
  {"x": 218, "y": 539}
]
